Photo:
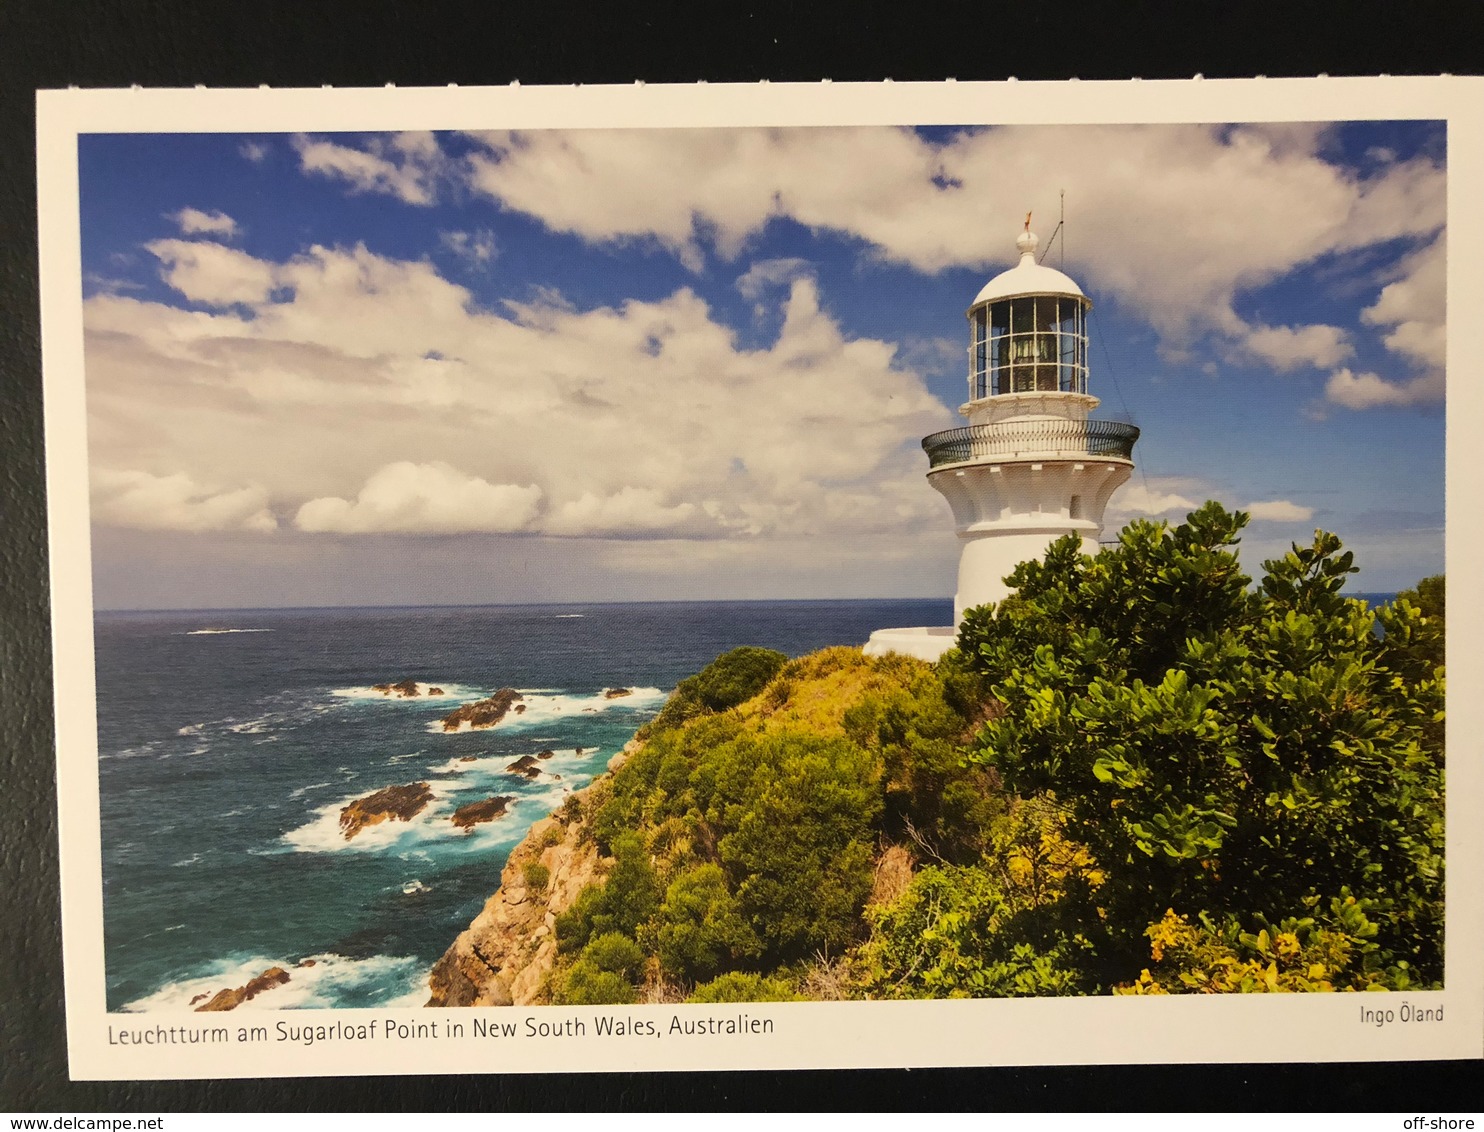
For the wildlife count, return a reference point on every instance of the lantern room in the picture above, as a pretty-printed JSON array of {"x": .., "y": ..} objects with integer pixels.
[{"x": 1028, "y": 330}]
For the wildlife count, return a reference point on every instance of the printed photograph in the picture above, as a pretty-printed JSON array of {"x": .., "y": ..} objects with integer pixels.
[{"x": 741, "y": 565}]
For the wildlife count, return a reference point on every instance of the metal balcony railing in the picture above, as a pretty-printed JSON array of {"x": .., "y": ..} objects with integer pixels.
[{"x": 1009, "y": 440}]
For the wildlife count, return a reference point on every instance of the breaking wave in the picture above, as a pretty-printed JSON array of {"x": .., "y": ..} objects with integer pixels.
[{"x": 332, "y": 980}]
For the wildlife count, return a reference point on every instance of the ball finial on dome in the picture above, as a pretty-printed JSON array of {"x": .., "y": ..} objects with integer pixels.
[{"x": 1027, "y": 242}]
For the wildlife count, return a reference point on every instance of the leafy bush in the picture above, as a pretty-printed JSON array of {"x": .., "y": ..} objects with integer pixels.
[
  {"x": 1224, "y": 752},
  {"x": 741, "y": 986},
  {"x": 699, "y": 929},
  {"x": 536, "y": 875},
  {"x": 731, "y": 679},
  {"x": 626, "y": 898}
]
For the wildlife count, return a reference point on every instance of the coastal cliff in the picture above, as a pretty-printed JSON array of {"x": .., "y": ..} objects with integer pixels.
[{"x": 504, "y": 956}]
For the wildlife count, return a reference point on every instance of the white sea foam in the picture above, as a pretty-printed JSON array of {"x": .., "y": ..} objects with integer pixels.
[
  {"x": 191, "y": 729},
  {"x": 496, "y": 764},
  {"x": 566, "y": 616},
  {"x": 450, "y": 692},
  {"x": 218, "y": 632},
  {"x": 327, "y": 983},
  {"x": 414, "y": 887},
  {"x": 428, "y": 828},
  {"x": 301, "y": 791},
  {"x": 191, "y": 860},
  {"x": 544, "y": 709}
]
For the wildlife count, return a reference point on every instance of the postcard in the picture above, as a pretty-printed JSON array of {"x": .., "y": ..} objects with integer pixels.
[{"x": 655, "y": 578}]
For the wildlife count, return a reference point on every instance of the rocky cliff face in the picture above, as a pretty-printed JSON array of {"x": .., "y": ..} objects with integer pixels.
[{"x": 504, "y": 956}]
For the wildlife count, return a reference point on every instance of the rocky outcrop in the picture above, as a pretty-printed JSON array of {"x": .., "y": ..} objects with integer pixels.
[
  {"x": 526, "y": 766},
  {"x": 395, "y": 803},
  {"x": 617, "y": 693},
  {"x": 402, "y": 689},
  {"x": 231, "y": 999},
  {"x": 482, "y": 713},
  {"x": 504, "y": 956},
  {"x": 467, "y": 817}
]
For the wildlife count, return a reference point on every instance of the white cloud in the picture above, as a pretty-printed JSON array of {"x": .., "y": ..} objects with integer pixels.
[
  {"x": 423, "y": 499},
  {"x": 176, "y": 503},
  {"x": 1413, "y": 307},
  {"x": 406, "y": 166},
  {"x": 1134, "y": 499},
  {"x": 475, "y": 248},
  {"x": 1174, "y": 221},
  {"x": 1368, "y": 390},
  {"x": 207, "y": 272},
  {"x": 256, "y": 152},
  {"x": 628, "y": 511},
  {"x": 1279, "y": 511},
  {"x": 1287, "y": 347},
  {"x": 194, "y": 222},
  {"x": 616, "y": 422},
  {"x": 771, "y": 273}
]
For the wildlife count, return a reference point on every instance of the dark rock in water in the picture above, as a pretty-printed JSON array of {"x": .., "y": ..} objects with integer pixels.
[
  {"x": 467, "y": 817},
  {"x": 546, "y": 754},
  {"x": 577, "y": 750},
  {"x": 199, "y": 997},
  {"x": 525, "y": 765},
  {"x": 519, "y": 708},
  {"x": 469, "y": 759},
  {"x": 305, "y": 963},
  {"x": 231, "y": 999},
  {"x": 615, "y": 693},
  {"x": 436, "y": 692},
  {"x": 405, "y": 689},
  {"x": 400, "y": 803},
  {"x": 482, "y": 713}
]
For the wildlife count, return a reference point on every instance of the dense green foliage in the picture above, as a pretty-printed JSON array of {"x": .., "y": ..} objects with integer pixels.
[
  {"x": 1137, "y": 774},
  {"x": 1236, "y": 756},
  {"x": 731, "y": 679}
]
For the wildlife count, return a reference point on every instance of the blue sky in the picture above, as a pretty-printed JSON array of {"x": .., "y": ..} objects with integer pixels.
[{"x": 630, "y": 365}]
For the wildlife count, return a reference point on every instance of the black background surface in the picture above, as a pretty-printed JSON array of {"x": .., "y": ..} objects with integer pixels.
[{"x": 180, "y": 43}]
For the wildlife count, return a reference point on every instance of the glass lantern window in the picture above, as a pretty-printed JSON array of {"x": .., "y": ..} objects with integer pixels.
[{"x": 1032, "y": 344}]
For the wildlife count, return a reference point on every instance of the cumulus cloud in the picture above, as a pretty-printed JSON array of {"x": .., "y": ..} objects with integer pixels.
[
  {"x": 1411, "y": 307},
  {"x": 406, "y": 165},
  {"x": 1352, "y": 390},
  {"x": 194, "y": 222},
  {"x": 631, "y": 510},
  {"x": 256, "y": 152},
  {"x": 142, "y": 500},
  {"x": 1279, "y": 511},
  {"x": 211, "y": 273},
  {"x": 1185, "y": 217},
  {"x": 1135, "y": 499},
  {"x": 432, "y": 498},
  {"x": 1288, "y": 347},
  {"x": 373, "y": 394},
  {"x": 771, "y": 273}
]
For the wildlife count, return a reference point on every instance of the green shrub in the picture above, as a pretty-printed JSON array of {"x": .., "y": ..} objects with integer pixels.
[
  {"x": 731, "y": 679},
  {"x": 537, "y": 876},
  {"x": 1229, "y": 754},
  {"x": 583, "y": 984},
  {"x": 740, "y": 986},
  {"x": 626, "y": 898},
  {"x": 699, "y": 929}
]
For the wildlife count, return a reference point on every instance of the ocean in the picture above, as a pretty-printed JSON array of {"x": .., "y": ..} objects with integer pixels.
[{"x": 229, "y": 741}]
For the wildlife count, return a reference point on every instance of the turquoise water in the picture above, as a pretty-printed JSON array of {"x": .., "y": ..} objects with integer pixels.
[{"x": 229, "y": 741}]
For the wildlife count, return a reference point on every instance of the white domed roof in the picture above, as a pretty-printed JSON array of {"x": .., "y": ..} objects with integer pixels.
[{"x": 1028, "y": 277}]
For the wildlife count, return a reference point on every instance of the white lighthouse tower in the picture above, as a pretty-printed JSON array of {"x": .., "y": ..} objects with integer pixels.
[{"x": 1031, "y": 466}]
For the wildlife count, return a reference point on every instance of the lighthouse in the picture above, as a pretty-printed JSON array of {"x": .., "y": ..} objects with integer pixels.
[{"x": 1032, "y": 464}]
